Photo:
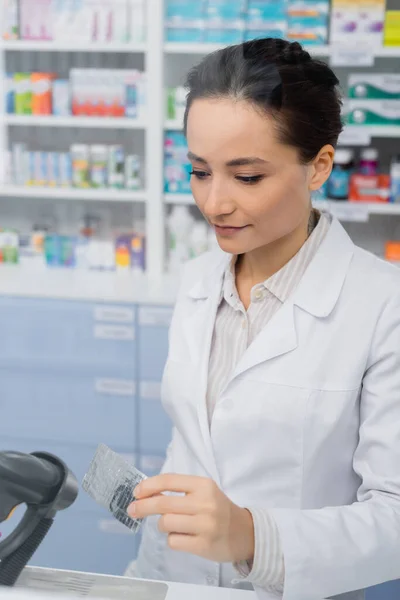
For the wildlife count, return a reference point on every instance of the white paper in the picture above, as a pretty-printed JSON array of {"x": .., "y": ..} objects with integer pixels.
[
  {"x": 114, "y": 332},
  {"x": 154, "y": 315},
  {"x": 113, "y": 314},
  {"x": 356, "y": 212},
  {"x": 355, "y": 135},
  {"x": 115, "y": 387},
  {"x": 352, "y": 56}
]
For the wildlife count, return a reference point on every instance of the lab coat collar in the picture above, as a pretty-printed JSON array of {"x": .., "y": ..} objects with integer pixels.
[{"x": 320, "y": 287}]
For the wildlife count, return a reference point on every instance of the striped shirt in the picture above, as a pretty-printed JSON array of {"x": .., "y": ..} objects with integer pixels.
[{"x": 234, "y": 330}]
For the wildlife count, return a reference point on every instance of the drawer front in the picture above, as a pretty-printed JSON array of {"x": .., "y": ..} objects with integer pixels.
[
  {"x": 155, "y": 429},
  {"x": 69, "y": 407},
  {"x": 153, "y": 341},
  {"x": 73, "y": 333}
]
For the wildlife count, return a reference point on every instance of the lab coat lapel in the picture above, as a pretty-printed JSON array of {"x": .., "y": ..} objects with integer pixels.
[
  {"x": 277, "y": 338},
  {"x": 316, "y": 294},
  {"x": 198, "y": 328}
]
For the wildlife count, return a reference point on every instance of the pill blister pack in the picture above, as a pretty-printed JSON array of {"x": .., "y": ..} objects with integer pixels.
[{"x": 111, "y": 482}]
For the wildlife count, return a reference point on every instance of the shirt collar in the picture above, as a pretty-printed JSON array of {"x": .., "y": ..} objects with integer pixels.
[{"x": 283, "y": 283}]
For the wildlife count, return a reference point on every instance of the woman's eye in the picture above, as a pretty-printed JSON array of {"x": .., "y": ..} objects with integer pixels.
[
  {"x": 199, "y": 174},
  {"x": 249, "y": 179}
]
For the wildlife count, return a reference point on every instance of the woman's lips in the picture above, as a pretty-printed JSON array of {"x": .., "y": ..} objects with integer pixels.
[{"x": 226, "y": 231}]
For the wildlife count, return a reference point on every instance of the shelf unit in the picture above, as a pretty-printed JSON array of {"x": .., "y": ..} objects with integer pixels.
[
  {"x": 152, "y": 51},
  {"x": 355, "y": 131},
  {"x": 81, "y": 122},
  {"x": 158, "y": 56},
  {"x": 323, "y": 51},
  {"x": 371, "y": 208},
  {"x": 103, "y": 195},
  {"x": 38, "y": 46}
]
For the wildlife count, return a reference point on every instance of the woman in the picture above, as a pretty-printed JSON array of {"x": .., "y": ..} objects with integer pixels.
[{"x": 283, "y": 374}]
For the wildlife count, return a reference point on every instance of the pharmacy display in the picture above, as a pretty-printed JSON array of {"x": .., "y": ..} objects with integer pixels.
[
  {"x": 116, "y": 21},
  {"x": 311, "y": 22},
  {"x": 87, "y": 92}
]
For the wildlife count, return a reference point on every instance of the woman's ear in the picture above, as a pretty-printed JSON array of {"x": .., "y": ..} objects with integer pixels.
[{"x": 321, "y": 167}]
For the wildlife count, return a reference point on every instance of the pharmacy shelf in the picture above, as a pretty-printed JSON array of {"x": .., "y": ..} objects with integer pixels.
[
  {"x": 328, "y": 50},
  {"x": 71, "y": 46},
  {"x": 352, "y": 208},
  {"x": 80, "y": 122},
  {"x": 106, "y": 195},
  {"x": 355, "y": 134}
]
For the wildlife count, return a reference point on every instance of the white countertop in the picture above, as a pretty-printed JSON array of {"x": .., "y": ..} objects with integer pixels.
[
  {"x": 35, "y": 583},
  {"x": 38, "y": 281}
]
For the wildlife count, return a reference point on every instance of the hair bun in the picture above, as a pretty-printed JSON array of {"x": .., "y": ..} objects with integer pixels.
[{"x": 294, "y": 54}]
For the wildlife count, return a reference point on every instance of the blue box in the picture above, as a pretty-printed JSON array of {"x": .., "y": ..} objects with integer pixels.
[
  {"x": 184, "y": 10},
  {"x": 226, "y": 10},
  {"x": 177, "y": 167},
  {"x": 270, "y": 11},
  {"x": 185, "y": 35},
  {"x": 271, "y": 31},
  {"x": 224, "y": 35}
]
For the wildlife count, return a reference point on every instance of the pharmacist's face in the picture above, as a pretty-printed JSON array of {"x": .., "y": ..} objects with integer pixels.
[{"x": 247, "y": 184}]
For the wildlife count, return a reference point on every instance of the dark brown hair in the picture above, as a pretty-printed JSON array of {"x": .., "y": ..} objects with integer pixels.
[{"x": 280, "y": 78}]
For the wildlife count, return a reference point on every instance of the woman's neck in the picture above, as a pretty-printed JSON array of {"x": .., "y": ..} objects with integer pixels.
[{"x": 260, "y": 264}]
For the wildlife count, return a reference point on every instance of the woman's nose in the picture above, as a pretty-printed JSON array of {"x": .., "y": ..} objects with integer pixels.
[{"x": 218, "y": 201}]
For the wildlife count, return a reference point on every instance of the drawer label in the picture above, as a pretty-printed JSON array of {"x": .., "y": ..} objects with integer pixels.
[
  {"x": 150, "y": 390},
  {"x": 115, "y": 387},
  {"x": 114, "y": 332},
  {"x": 154, "y": 315},
  {"x": 113, "y": 314}
]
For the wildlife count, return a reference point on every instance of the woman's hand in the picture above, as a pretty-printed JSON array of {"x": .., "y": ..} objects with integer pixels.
[{"x": 202, "y": 522}]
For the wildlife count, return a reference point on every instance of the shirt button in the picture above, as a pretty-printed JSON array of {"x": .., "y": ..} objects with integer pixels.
[
  {"x": 258, "y": 294},
  {"x": 211, "y": 580}
]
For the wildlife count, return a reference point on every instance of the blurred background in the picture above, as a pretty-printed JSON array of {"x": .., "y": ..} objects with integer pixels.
[{"x": 96, "y": 214}]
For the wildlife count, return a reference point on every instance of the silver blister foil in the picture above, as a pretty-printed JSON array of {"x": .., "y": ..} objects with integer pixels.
[{"x": 111, "y": 481}]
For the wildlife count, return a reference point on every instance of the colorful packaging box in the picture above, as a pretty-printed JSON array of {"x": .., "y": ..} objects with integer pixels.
[
  {"x": 374, "y": 86},
  {"x": 176, "y": 165},
  {"x": 369, "y": 188},
  {"x": 10, "y": 27},
  {"x": 65, "y": 169},
  {"x": 185, "y": 20},
  {"x": 61, "y": 98},
  {"x": 10, "y": 94},
  {"x": 36, "y": 19},
  {"x": 392, "y": 28},
  {"x": 373, "y": 112},
  {"x": 307, "y": 21},
  {"x": 355, "y": 21},
  {"x": 41, "y": 93},
  {"x": 265, "y": 19},
  {"x": 23, "y": 93}
]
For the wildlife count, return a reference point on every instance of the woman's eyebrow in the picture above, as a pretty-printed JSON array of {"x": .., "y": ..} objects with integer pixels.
[{"x": 235, "y": 162}]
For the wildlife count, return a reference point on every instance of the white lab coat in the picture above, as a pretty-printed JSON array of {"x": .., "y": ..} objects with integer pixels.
[{"x": 308, "y": 425}]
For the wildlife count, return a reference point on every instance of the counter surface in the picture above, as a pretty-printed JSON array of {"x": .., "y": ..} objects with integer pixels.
[{"x": 38, "y": 281}]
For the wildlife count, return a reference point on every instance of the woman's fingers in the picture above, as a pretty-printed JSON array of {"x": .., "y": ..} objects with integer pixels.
[
  {"x": 183, "y": 524},
  {"x": 161, "y": 505}
]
